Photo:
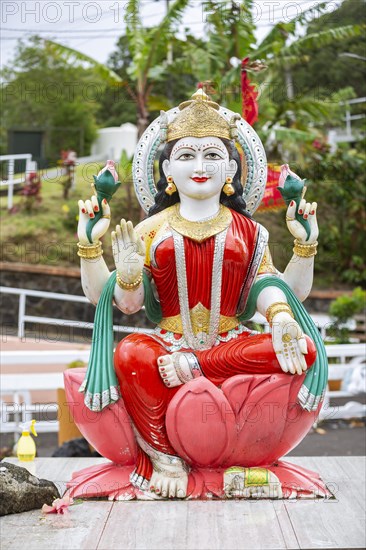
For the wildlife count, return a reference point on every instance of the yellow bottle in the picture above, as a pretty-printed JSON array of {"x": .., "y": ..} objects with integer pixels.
[{"x": 26, "y": 448}]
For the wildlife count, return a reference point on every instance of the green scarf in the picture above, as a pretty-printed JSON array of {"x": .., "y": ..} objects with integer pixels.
[
  {"x": 313, "y": 389},
  {"x": 100, "y": 384}
]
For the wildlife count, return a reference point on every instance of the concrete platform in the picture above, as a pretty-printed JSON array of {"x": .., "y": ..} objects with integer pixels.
[{"x": 221, "y": 525}]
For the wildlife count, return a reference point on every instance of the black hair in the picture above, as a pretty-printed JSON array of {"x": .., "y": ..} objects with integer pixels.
[{"x": 235, "y": 201}]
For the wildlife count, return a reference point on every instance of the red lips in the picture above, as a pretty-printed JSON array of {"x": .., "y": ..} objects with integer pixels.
[{"x": 200, "y": 180}]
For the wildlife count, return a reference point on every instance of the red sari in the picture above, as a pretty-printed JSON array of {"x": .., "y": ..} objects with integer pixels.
[{"x": 145, "y": 395}]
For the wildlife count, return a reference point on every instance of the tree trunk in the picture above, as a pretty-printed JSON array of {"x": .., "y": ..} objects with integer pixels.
[
  {"x": 142, "y": 124},
  {"x": 142, "y": 115}
]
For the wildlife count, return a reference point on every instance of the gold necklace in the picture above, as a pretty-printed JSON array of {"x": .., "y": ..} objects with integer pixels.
[{"x": 200, "y": 230}]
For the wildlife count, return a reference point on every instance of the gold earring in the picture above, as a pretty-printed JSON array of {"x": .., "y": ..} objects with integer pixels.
[
  {"x": 228, "y": 188},
  {"x": 171, "y": 187}
]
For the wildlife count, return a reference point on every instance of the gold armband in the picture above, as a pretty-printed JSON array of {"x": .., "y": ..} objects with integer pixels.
[
  {"x": 278, "y": 307},
  {"x": 305, "y": 250},
  {"x": 90, "y": 251},
  {"x": 129, "y": 286}
]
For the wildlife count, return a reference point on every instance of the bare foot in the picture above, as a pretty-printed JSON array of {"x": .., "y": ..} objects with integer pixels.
[
  {"x": 169, "y": 480},
  {"x": 251, "y": 483},
  {"x": 174, "y": 369}
]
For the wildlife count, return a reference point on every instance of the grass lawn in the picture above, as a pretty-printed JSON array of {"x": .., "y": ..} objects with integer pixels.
[{"x": 47, "y": 234}]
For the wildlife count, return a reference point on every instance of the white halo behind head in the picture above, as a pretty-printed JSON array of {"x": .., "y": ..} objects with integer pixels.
[{"x": 248, "y": 139}]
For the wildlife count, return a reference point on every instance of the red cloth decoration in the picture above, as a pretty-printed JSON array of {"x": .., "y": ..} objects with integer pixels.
[
  {"x": 272, "y": 198},
  {"x": 249, "y": 95}
]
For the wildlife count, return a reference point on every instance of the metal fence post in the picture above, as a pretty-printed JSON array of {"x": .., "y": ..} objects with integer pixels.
[
  {"x": 21, "y": 313},
  {"x": 10, "y": 183}
]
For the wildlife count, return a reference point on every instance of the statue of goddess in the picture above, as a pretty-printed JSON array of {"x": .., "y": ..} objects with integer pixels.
[{"x": 201, "y": 266}]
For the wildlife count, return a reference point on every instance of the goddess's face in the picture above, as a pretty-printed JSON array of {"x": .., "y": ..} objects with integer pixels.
[{"x": 199, "y": 166}]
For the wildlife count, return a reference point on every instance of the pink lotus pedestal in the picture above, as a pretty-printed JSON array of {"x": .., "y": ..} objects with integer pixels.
[{"x": 250, "y": 421}]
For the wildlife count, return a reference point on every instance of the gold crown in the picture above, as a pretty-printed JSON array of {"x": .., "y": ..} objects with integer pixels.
[{"x": 199, "y": 117}]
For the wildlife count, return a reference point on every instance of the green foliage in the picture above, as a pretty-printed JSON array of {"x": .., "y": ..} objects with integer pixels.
[
  {"x": 274, "y": 43},
  {"x": 141, "y": 75},
  {"x": 167, "y": 88},
  {"x": 158, "y": 38},
  {"x": 125, "y": 167},
  {"x": 72, "y": 57},
  {"x": 346, "y": 306},
  {"x": 148, "y": 52},
  {"x": 47, "y": 235},
  {"x": 286, "y": 118},
  {"x": 148, "y": 49},
  {"x": 43, "y": 91},
  {"x": 329, "y": 69},
  {"x": 117, "y": 105},
  {"x": 292, "y": 125},
  {"x": 342, "y": 310},
  {"x": 337, "y": 183},
  {"x": 70, "y": 215},
  {"x": 229, "y": 34},
  {"x": 321, "y": 39},
  {"x": 290, "y": 113}
]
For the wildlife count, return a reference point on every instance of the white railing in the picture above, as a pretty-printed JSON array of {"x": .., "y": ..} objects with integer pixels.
[
  {"x": 349, "y": 357},
  {"x": 321, "y": 321},
  {"x": 10, "y": 181},
  {"x": 31, "y": 166},
  {"x": 347, "y": 133},
  {"x": 21, "y": 408},
  {"x": 23, "y": 318},
  {"x": 349, "y": 118},
  {"x": 18, "y": 387}
]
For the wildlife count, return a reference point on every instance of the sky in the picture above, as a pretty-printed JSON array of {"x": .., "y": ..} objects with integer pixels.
[{"x": 93, "y": 27}]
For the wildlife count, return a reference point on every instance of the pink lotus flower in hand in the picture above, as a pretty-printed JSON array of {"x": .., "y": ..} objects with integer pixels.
[
  {"x": 111, "y": 167},
  {"x": 59, "y": 506},
  {"x": 285, "y": 171}
]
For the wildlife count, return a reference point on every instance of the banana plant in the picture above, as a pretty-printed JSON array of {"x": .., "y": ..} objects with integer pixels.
[
  {"x": 293, "y": 116},
  {"x": 230, "y": 33},
  {"x": 145, "y": 46},
  {"x": 293, "y": 109}
]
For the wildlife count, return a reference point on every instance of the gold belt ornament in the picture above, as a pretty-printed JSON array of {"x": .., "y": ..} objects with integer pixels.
[{"x": 200, "y": 319}]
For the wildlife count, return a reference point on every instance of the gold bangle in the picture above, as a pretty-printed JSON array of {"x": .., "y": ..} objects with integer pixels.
[
  {"x": 106, "y": 217},
  {"x": 129, "y": 286},
  {"x": 90, "y": 251},
  {"x": 305, "y": 250},
  {"x": 277, "y": 307}
]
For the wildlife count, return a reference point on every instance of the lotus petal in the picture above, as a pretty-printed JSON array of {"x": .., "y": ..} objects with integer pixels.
[
  {"x": 108, "y": 431},
  {"x": 200, "y": 423}
]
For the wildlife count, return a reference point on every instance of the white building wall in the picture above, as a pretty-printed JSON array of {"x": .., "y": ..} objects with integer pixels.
[{"x": 112, "y": 141}]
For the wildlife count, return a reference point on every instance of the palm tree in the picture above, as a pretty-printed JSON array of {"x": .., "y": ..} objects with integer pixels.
[
  {"x": 146, "y": 46},
  {"x": 230, "y": 34}
]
